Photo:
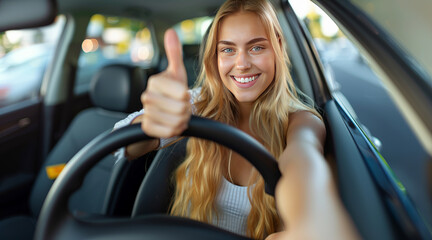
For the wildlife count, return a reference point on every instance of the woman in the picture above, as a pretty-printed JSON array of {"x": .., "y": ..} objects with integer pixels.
[{"x": 244, "y": 82}]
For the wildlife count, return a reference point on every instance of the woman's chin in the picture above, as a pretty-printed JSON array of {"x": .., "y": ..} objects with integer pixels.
[{"x": 249, "y": 98}]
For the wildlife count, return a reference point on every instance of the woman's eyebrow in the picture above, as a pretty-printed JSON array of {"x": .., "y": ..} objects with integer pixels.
[
  {"x": 252, "y": 41},
  {"x": 255, "y": 40}
]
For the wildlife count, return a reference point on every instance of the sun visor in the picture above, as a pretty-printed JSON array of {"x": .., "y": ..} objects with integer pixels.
[{"x": 18, "y": 14}]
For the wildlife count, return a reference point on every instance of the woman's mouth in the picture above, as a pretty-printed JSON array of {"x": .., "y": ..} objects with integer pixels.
[{"x": 245, "y": 81}]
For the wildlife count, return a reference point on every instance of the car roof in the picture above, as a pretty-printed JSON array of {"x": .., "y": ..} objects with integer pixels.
[{"x": 168, "y": 11}]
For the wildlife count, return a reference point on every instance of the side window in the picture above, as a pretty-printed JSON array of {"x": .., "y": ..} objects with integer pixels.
[
  {"x": 112, "y": 40},
  {"x": 192, "y": 31},
  {"x": 24, "y": 56},
  {"x": 356, "y": 85}
]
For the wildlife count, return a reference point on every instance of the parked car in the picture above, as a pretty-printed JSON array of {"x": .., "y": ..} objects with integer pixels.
[{"x": 40, "y": 136}]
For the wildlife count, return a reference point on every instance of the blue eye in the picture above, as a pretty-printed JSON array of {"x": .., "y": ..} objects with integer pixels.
[
  {"x": 227, "y": 50},
  {"x": 257, "y": 48}
]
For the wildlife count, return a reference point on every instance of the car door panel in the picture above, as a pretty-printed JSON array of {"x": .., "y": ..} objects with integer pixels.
[
  {"x": 356, "y": 187},
  {"x": 20, "y": 130},
  {"x": 372, "y": 194},
  {"x": 358, "y": 192}
]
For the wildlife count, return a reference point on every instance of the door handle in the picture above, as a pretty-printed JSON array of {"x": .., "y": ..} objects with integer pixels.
[{"x": 11, "y": 128}]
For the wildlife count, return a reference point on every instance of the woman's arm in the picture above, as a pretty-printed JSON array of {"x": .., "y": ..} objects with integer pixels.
[
  {"x": 306, "y": 196},
  {"x": 139, "y": 149}
]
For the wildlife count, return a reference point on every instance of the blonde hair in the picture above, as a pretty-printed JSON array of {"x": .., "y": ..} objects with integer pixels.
[{"x": 205, "y": 161}]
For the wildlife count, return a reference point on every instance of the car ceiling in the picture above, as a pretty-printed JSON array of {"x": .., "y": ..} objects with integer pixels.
[{"x": 170, "y": 11}]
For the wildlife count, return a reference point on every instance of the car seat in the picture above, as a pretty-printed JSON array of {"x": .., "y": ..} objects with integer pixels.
[
  {"x": 157, "y": 188},
  {"x": 192, "y": 62},
  {"x": 115, "y": 91}
]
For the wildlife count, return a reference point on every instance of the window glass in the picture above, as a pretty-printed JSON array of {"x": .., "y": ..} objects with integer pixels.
[
  {"x": 403, "y": 20},
  {"x": 353, "y": 82},
  {"x": 112, "y": 40},
  {"x": 24, "y": 56},
  {"x": 191, "y": 31}
]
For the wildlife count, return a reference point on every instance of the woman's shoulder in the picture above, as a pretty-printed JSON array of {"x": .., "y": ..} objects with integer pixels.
[
  {"x": 304, "y": 115},
  {"x": 306, "y": 120}
]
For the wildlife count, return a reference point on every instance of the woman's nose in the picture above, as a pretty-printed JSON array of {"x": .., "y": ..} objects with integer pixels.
[{"x": 242, "y": 61}]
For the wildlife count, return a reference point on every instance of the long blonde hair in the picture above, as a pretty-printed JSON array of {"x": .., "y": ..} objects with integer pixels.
[{"x": 205, "y": 161}]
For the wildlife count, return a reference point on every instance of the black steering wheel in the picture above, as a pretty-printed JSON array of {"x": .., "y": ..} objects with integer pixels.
[{"x": 55, "y": 221}]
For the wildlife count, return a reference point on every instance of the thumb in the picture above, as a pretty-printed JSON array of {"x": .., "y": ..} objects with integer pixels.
[{"x": 173, "y": 49}]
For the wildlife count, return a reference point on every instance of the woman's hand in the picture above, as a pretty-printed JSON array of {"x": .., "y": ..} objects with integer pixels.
[{"x": 166, "y": 99}]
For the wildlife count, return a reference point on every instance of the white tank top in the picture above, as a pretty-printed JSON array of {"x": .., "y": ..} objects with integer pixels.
[{"x": 233, "y": 207}]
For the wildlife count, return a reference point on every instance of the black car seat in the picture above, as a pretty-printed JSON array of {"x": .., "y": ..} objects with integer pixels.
[
  {"x": 157, "y": 188},
  {"x": 191, "y": 61},
  {"x": 115, "y": 91}
]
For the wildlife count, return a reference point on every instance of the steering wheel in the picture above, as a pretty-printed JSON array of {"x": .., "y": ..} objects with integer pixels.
[{"x": 55, "y": 221}]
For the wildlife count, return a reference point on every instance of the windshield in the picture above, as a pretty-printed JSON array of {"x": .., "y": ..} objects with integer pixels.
[{"x": 408, "y": 22}]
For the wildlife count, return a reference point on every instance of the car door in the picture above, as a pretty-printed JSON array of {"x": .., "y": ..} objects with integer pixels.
[
  {"x": 25, "y": 56},
  {"x": 369, "y": 141}
]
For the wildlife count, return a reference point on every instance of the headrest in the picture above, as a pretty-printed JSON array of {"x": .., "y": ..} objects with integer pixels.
[
  {"x": 118, "y": 88},
  {"x": 191, "y": 50}
]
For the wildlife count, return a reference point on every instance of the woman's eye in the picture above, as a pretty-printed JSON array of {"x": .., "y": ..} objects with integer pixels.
[
  {"x": 227, "y": 50},
  {"x": 256, "y": 48}
]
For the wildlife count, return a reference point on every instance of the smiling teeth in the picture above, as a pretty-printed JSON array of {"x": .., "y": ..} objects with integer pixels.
[{"x": 246, "y": 80}]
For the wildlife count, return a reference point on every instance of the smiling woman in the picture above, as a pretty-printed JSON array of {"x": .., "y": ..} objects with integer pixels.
[
  {"x": 244, "y": 82},
  {"x": 246, "y": 62},
  {"x": 237, "y": 86}
]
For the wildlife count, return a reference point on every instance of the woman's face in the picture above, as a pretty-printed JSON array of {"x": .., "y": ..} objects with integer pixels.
[{"x": 246, "y": 60}]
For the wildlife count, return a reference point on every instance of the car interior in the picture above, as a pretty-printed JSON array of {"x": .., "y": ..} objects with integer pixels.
[{"x": 114, "y": 198}]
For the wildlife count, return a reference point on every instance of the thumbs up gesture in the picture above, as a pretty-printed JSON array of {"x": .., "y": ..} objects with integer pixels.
[{"x": 166, "y": 99}]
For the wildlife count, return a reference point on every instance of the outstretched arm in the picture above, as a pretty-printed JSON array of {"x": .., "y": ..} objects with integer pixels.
[{"x": 306, "y": 195}]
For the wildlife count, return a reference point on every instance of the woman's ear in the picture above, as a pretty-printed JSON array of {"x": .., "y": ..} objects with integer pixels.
[{"x": 279, "y": 40}]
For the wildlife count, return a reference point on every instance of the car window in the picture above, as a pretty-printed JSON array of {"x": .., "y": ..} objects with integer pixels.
[
  {"x": 353, "y": 82},
  {"x": 24, "y": 56},
  {"x": 402, "y": 22},
  {"x": 191, "y": 31},
  {"x": 112, "y": 40}
]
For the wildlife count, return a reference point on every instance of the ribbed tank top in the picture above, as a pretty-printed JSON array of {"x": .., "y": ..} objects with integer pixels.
[{"x": 233, "y": 207}]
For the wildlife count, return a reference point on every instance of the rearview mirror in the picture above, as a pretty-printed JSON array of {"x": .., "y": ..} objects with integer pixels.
[{"x": 18, "y": 14}]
